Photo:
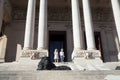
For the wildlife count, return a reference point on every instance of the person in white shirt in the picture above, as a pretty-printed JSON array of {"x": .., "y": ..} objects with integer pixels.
[{"x": 62, "y": 55}]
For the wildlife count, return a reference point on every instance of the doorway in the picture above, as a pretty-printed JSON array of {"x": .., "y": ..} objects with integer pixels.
[
  {"x": 98, "y": 43},
  {"x": 57, "y": 39}
]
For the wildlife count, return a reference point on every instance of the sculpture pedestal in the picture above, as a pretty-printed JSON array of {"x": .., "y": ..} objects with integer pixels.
[
  {"x": 34, "y": 54},
  {"x": 83, "y": 56}
]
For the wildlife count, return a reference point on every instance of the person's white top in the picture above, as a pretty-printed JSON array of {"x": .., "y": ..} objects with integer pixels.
[{"x": 61, "y": 53}]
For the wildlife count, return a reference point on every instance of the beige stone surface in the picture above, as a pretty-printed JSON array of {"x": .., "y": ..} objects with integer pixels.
[{"x": 3, "y": 44}]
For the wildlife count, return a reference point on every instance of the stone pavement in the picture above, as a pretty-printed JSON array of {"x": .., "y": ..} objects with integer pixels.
[{"x": 112, "y": 77}]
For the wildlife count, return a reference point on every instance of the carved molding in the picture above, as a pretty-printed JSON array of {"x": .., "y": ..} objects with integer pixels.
[
  {"x": 99, "y": 14},
  {"x": 34, "y": 54},
  {"x": 102, "y": 14},
  {"x": 86, "y": 54},
  {"x": 59, "y": 14},
  {"x": 7, "y": 11},
  {"x": 19, "y": 15}
]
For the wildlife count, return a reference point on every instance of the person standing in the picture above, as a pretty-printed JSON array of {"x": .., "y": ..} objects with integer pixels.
[
  {"x": 62, "y": 55},
  {"x": 56, "y": 55}
]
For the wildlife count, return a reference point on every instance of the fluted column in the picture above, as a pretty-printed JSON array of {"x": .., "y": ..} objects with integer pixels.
[
  {"x": 116, "y": 12},
  {"x": 1, "y": 12},
  {"x": 77, "y": 31},
  {"x": 42, "y": 32},
  {"x": 30, "y": 21},
  {"x": 88, "y": 25}
]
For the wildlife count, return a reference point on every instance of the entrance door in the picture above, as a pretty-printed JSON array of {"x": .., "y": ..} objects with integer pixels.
[
  {"x": 57, "y": 39},
  {"x": 98, "y": 43}
]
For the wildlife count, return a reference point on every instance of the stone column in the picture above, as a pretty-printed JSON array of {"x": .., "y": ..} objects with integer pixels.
[
  {"x": 77, "y": 31},
  {"x": 42, "y": 32},
  {"x": 1, "y": 12},
  {"x": 91, "y": 52},
  {"x": 76, "y": 21},
  {"x": 30, "y": 20},
  {"x": 116, "y": 12},
  {"x": 88, "y": 25}
]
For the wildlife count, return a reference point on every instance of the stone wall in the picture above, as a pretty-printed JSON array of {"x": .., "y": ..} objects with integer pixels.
[{"x": 3, "y": 44}]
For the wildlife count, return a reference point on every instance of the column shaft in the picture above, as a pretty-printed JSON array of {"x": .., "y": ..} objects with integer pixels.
[
  {"x": 42, "y": 32},
  {"x": 1, "y": 12},
  {"x": 30, "y": 21},
  {"x": 88, "y": 25},
  {"x": 77, "y": 31},
  {"x": 116, "y": 12}
]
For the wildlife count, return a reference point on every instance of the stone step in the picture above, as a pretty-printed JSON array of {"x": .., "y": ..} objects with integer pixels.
[
  {"x": 32, "y": 66},
  {"x": 59, "y": 75}
]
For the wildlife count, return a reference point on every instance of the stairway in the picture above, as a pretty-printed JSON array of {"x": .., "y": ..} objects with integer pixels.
[
  {"x": 31, "y": 65},
  {"x": 26, "y": 70},
  {"x": 58, "y": 75}
]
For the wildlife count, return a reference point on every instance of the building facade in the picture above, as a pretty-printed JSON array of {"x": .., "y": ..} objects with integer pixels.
[{"x": 84, "y": 28}]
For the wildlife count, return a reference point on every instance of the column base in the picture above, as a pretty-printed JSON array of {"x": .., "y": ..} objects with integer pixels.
[
  {"x": 34, "y": 54},
  {"x": 80, "y": 56},
  {"x": 27, "y": 48},
  {"x": 2, "y": 60}
]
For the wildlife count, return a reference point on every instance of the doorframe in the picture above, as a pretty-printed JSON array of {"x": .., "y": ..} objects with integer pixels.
[
  {"x": 99, "y": 45},
  {"x": 96, "y": 33},
  {"x": 59, "y": 33}
]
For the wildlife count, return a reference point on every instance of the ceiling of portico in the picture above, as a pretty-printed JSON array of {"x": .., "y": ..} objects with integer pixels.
[{"x": 22, "y": 4}]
